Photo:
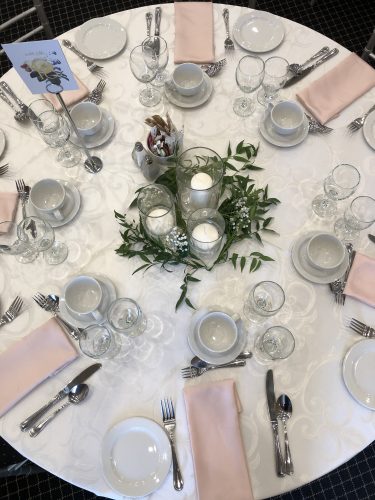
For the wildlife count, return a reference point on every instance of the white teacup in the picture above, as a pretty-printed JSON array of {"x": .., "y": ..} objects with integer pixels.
[
  {"x": 325, "y": 251},
  {"x": 47, "y": 197},
  {"x": 286, "y": 117},
  {"x": 87, "y": 117},
  {"x": 188, "y": 79},
  {"x": 217, "y": 332},
  {"x": 83, "y": 297}
]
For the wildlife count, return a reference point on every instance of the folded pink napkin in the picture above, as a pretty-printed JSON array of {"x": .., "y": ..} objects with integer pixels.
[
  {"x": 194, "y": 36},
  {"x": 338, "y": 88},
  {"x": 8, "y": 206},
  {"x": 218, "y": 452},
  {"x": 361, "y": 279},
  {"x": 70, "y": 97},
  {"x": 31, "y": 360}
]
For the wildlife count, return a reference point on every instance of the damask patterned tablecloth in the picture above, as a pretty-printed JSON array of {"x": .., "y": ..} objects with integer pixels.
[{"x": 328, "y": 426}]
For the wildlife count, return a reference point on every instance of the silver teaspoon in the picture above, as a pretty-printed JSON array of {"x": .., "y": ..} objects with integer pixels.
[
  {"x": 285, "y": 407},
  {"x": 199, "y": 363}
]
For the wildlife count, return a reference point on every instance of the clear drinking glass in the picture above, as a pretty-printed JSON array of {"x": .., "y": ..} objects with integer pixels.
[
  {"x": 155, "y": 50},
  {"x": 126, "y": 317},
  {"x": 97, "y": 342},
  {"x": 148, "y": 96},
  {"x": 12, "y": 244},
  {"x": 264, "y": 300},
  {"x": 359, "y": 215},
  {"x": 340, "y": 184},
  {"x": 249, "y": 76},
  {"x": 275, "y": 343},
  {"x": 275, "y": 76}
]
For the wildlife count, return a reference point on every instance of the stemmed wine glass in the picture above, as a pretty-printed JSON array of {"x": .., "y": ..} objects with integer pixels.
[
  {"x": 249, "y": 76},
  {"x": 359, "y": 215},
  {"x": 340, "y": 184},
  {"x": 155, "y": 51},
  {"x": 275, "y": 76},
  {"x": 12, "y": 244},
  {"x": 144, "y": 73}
]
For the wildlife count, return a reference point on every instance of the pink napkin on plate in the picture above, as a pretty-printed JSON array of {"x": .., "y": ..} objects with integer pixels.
[
  {"x": 338, "y": 88},
  {"x": 70, "y": 96},
  {"x": 29, "y": 361},
  {"x": 218, "y": 452},
  {"x": 361, "y": 280},
  {"x": 194, "y": 35},
  {"x": 8, "y": 206}
]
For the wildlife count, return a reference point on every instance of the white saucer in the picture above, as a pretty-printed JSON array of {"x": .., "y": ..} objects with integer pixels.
[
  {"x": 2, "y": 142},
  {"x": 358, "y": 371},
  {"x": 189, "y": 101},
  {"x": 210, "y": 357},
  {"x": 136, "y": 456},
  {"x": 102, "y": 136},
  {"x": 258, "y": 31},
  {"x": 283, "y": 141},
  {"x": 369, "y": 130},
  {"x": 109, "y": 296},
  {"x": 70, "y": 209},
  {"x": 309, "y": 272},
  {"x": 100, "y": 38}
]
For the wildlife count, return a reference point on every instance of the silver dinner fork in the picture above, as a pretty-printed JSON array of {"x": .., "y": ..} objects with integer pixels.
[
  {"x": 169, "y": 422},
  {"x": 361, "y": 328},
  {"x": 358, "y": 122},
  {"x": 23, "y": 193},
  {"x": 193, "y": 371},
  {"x": 96, "y": 95},
  {"x": 91, "y": 65},
  {"x": 4, "y": 169},
  {"x": 12, "y": 312},
  {"x": 228, "y": 42}
]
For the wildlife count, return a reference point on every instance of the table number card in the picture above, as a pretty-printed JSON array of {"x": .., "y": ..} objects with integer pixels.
[{"x": 41, "y": 65}]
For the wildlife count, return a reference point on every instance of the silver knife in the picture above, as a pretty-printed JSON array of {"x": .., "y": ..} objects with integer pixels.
[
  {"x": 85, "y": 374},
  {"x": 371, "y": 237},
  {"x": 270, "y": 391},
  {"x": 305, "y": 72},
  {"x": 148, "y": 23},
  {"x": 25, "y": 109},
  {"x": 157, "y": 29}
]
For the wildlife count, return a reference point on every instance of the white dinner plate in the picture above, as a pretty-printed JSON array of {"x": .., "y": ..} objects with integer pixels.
[
  {"x": 305, "y": 269},
  {"x": 193, "y": 101},
  {"x": 100, "y": 38},
  {"x": 101, "y": 137},
  {"x": 258, "y": 31},
  {"x": 368, "y": 129},
  {"x": 136, "y": 456},
  {"x": 2, "y": 142},
  {"x": 283, "y": 141},
  {"x": 359, "y": 372}
]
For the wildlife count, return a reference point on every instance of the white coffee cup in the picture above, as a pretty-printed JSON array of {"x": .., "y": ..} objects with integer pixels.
[
  {"x": 286, "y": 117},
  {"x": 325, "y": 251},
  {"x": 47, "y": 197},
  {"x": 217, "y": 332},
  {"x": 188, "y": 79},
  {"x": 87, "y": 117},
  {"x": 83, "y": 297}
]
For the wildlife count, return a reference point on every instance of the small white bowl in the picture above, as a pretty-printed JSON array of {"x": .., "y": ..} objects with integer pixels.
[
  {"x": 87, "y": 117},
  {"x": 287, "y": 117},
  {"x": 325, "y": 251},
  {"x": 217, "y": 332},
  {"x": 188, "y": 79}
]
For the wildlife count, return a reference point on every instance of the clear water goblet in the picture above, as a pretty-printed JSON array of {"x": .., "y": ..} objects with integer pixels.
[
  {"x": 148, "y": 96},
  {"x": 340, "y": 184},
  {"x": 98, "y": 342},
  {"x": 249, "y": 76},
  {"x": 275, "y": 343},
  {"x": 126, "y": 317},
  {"x": 265, "y": 299},
  {"x": 155, "y": 50},
  {"x": 275, "y": 76},
  {"x": 12, "y": 244},
  {"x": 359, "y": 215}
]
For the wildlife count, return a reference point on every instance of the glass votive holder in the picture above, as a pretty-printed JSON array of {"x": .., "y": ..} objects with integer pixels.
[
  {"x": 156, "y": 208},
  {"x": 265, "y": 299},
  {"x": 98, "y": 342},
  {"x": 199, "y": 175},
  {"x": 126, "y": 317},
  {"x": 275, "y": 343},
  {"x": 205, "y": 229}
]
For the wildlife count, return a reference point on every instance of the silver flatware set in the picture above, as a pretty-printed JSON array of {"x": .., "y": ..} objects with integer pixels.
[{"x": 337, "y": 287}]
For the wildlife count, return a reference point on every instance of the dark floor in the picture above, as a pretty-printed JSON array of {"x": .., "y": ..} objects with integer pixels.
[{"x": 348, "y": 22}]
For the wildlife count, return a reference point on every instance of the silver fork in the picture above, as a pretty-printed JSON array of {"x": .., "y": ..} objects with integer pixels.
[
  {"x": 23, "y": 194},
  {"x": 315, "y": 126},
  {"x": 193, "y": 371},
  {"x": 12, "y": 312},
  {"x": 4, "y": 169},
  {"x": 228, "y": 42},
  {"x": 213, "y": 68},
  {"x": 169, "y": 422},
  {"x": 358, "y": 122},
  {"x": 340, "y": 296},
  {"x": 361, "y": 328},
  {"x": 91, "y": 65},
  {"x": 96, "y": 94}
]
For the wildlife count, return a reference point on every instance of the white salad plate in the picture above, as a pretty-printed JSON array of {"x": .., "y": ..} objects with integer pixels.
[
  {"x": 189, "y": 101},
  {"x": 2, "y": 142},
  {"x": 101, "y": 137},
  {"x": 358, "y": 371},
  {"x": 100, "y": 38},
  {"x": 136, "y": 456},
  {"x": 369, "y": 130},
  {"x": 258, "y": 31},
  {"x": 305, "y": 269},
  {"x": 283, "y": 141}
]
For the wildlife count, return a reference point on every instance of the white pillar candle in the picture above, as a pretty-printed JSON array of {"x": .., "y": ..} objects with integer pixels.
[
  {"x": 200, "y": 197},
  {"x": 159, "y": 221},
  {"x": 205, "y": 236}
]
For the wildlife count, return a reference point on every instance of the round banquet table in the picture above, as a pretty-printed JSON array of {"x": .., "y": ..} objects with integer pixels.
[{"x": 328, "y": 426}]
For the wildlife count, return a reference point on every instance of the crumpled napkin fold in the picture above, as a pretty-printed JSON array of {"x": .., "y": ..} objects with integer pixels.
[
  {"x": 361, "y": 280},
  {"x": 70, "y": 97}
]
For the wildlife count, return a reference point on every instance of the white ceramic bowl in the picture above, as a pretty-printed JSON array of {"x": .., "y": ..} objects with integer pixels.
[
  {"x": 217, "y": 332},
  {"x": 188, "y": 79},
  {"x": 87, "y": 117},
  {"x": 325, "y": 251},
  {"x": 287, "y": 117}
]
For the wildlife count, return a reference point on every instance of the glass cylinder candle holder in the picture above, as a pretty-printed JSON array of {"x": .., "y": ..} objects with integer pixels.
[
  {"x": 199, "y": 175},
  {"x": 206, "y": 228},
  {"x": 156, "y": 209}
]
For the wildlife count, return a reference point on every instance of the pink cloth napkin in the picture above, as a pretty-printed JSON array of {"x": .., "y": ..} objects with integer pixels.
[
  {"x": 70, "y": 96},
  {"x": 361, "y": 280},
  {"x": 338, "y": 88},
  {"x": 8, "y": 206},
  {"x": 194, "y": 36},
  {"x": 218, "y": 452},
  {"x": 31, "y": 360}
]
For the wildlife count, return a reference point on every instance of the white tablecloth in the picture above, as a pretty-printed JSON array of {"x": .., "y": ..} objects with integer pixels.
[{"x": 328, "y": 426}]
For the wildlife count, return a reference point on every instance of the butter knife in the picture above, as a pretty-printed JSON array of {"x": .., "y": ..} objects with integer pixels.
[
  {"x": 271, "y": 400},
  {"x": 305, "y": 72},
  {"x": 85, "y": 374}
]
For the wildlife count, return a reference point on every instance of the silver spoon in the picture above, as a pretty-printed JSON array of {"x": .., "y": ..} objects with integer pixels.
[
  {"x": 76, "y": 395},
  {"x": 199, "y": 363},
  {"x": 285, "y": 406},
  {"x": 52, "y": 302}
]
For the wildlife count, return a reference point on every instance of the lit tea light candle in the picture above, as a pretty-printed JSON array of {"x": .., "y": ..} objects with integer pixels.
[
  {"x": 201, "y": 183},
  {"x": 159, "y": 221},
  {"x": 205, "y": 236}
]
